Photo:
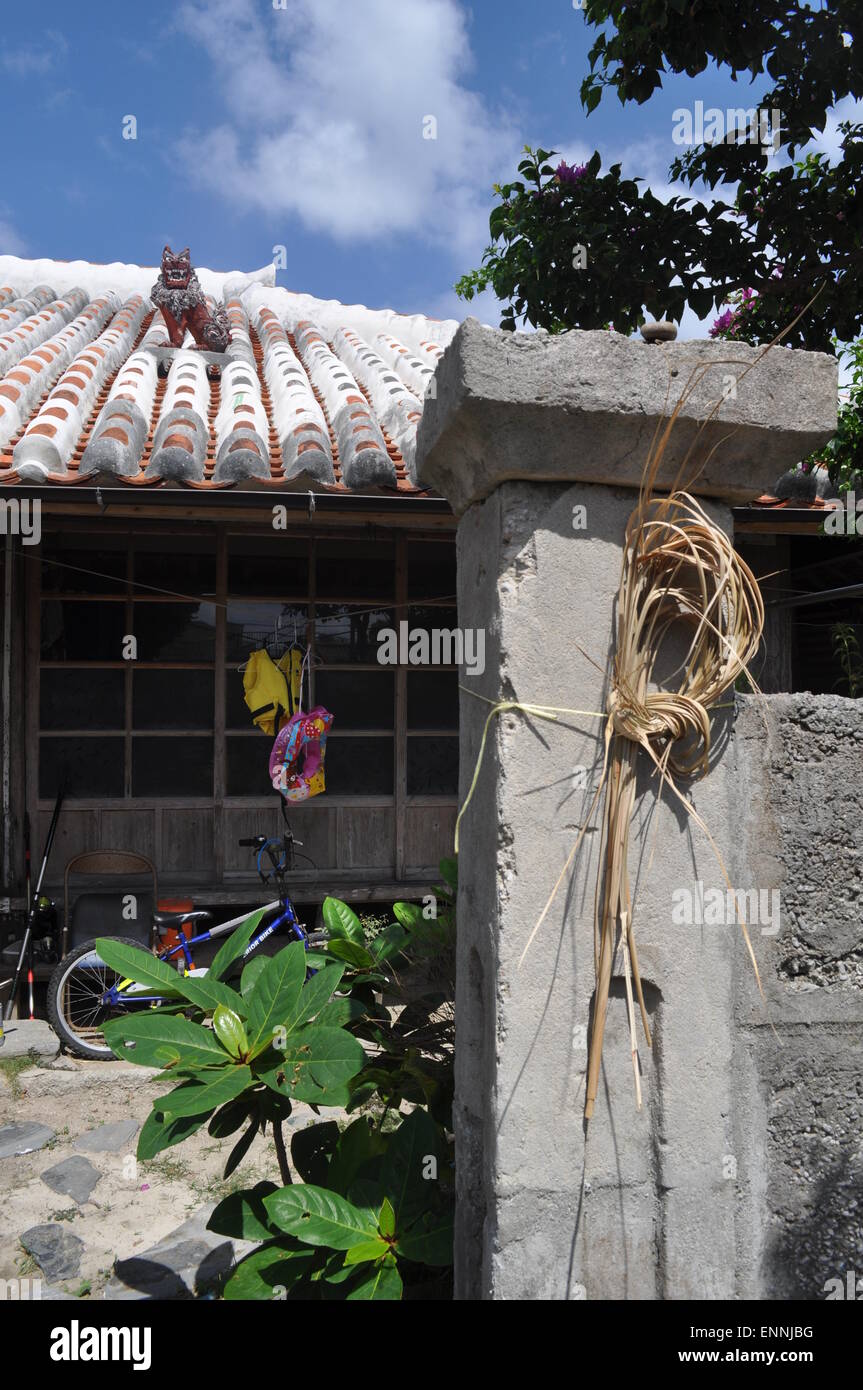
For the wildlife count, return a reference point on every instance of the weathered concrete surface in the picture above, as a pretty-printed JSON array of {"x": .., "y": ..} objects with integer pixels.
[
  {"x": 584, "y": 406},
  {"x": 800, "y": 781},
  {"x": 699, "y": 1193},
  {"x": 29, "y": 1037},
  {"x": 545, "y": 1211},
  {"x": 749, "y": 1141}
]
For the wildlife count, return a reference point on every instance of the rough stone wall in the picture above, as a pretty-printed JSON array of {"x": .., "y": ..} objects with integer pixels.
[{"x": 801, "y": 783}]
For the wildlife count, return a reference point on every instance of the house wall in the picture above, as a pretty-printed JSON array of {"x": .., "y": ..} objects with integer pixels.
[{"x": 363, "y": 846}]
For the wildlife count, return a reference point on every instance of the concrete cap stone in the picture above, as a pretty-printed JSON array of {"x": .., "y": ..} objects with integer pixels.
[{"x": 583, "y": 407}]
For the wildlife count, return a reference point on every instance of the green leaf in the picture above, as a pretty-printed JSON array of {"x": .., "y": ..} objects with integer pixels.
[
  {"x": 312, "y": 1149},
  {"x": 242, "y": 1216},
  {"x": 430, "y": 1241},
  {"x": 313, "y": 996},
  {"x": 275, "y": 995},
  {"x": 382, "y": 1285},
  {"x": 448, "y": 869},
  {"x": 201, "y": 1096},
  {"x": 357, "y": 1146},
  {"x": 230, "y": 1118},
  {"x": 235, "y": 945},
  {"x": 277, "y": 1265},
  {"x": 228, "y": 1027},
  {"x": 159, "y": 1132},
  {"x": 386, "y": 1218},
  {"x": 390, "y": 942},
  {"x": 409, "y": 914},
  {"x": 156, "y": 1039},
  {"x": 318, "y": 1217},
  {"x": 340, "y": 1011},
  {"x": 316, "y": 1061},
  {"x": 240, "y": 1149},
  {"x": 348, "y": 951},
  {"x": 146, "y": 969},
  {"x": 341, "y": 920},
  {"x": 402, "y": 1173},
  {"x": 140, "y": 966},
  {"x": 251, "y": 974},
  {"x": 366, "y": 1250}
]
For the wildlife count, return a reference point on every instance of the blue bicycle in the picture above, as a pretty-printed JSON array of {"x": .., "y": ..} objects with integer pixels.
[{"x": 84, "y": 992}]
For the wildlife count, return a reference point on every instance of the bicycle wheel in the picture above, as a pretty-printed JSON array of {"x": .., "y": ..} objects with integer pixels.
[{"x": 75, "y": 1010}]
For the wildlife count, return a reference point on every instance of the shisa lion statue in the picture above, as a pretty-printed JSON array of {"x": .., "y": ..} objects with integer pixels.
[{"x": 178, "y": 294}]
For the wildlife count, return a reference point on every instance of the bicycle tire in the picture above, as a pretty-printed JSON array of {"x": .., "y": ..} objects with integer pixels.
[{"x": 80, "y": 1040}]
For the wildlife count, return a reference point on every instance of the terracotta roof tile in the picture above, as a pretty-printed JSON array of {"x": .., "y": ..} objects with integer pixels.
[{"x": 91, "y": 392}]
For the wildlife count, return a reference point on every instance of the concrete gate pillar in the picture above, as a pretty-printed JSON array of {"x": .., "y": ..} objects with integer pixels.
[{"x": 538, "y": 442}]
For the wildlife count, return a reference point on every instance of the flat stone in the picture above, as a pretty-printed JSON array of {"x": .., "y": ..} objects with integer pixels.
[
  {"x": 50, "y": 1292},
  {"x": 74, "y": 1177},
  {"x": 29, "y": 1037},
  {"x": 23, "y": 1138},
  {"x": 108, "y": 1139},
  {"x": 583, "y": 407},
  {"x": 56, "y": 1251},
  {"x": 186, "y": 1263},
  {"x": 113, "y": 1077}
]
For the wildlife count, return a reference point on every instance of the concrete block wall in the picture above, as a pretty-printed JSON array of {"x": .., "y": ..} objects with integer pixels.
[{"x": 751, "y": 1111}]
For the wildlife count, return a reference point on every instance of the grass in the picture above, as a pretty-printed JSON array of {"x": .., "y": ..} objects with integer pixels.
[{"x": 11, "y": 1068}]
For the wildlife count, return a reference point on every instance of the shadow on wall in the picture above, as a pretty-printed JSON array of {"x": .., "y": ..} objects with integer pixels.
[{"x": 823, "y": 1240}]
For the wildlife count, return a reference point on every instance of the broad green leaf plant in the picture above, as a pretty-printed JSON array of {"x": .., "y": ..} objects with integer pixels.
[{"x": 372, "y": 1217}]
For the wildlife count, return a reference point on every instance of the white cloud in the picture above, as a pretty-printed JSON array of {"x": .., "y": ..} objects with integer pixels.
[
  {"x": 38, "y": 57},
  {"x": 324, "y": 118},
  {"x": 829, "y": 140},
  {"x": 11, "y": 244}
]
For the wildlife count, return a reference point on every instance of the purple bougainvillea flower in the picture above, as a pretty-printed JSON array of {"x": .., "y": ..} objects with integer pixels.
[
  {"x": 722, "y": 324},
  {"x": 569, "y": 173}
]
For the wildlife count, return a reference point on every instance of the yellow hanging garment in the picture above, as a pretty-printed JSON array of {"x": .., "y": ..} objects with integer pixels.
[
  {"x": 266, "y": 691},
  {"x": 291, "y": 666}
]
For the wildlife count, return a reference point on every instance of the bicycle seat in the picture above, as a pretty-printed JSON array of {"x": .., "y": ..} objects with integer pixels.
[{"x": 174, "y": 919}]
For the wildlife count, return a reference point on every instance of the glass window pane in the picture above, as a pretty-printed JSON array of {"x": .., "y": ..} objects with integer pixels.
[
  {"x": 172, "y": 699},
  {"x": 431, "y": 569},
  {"x": 358, "y": 699},
  {"x": 82, "y": 631},
  {"x": 268, "y": 565},
  {"x": 237, "y": 715},
  {"x": 251, "y": 625},
  {"x": 247, "y": 766},
  {"x": 174, "y": 631},
  {"x": 432, "y": 767},
  {"x": 430, "y": 616},
  {"x": 342, "y": 634},
  {"x": 172, "y": 766},
  {"x": 71, "y": 699},
  {"x": 92, "y": 766},
  {"x": 360, "y": 766},
  {"x": 186, "y": 564},
  {"x": 365, "y": 568},
  {"x": 432, "y": 699},
  {"x": 66, "y": 557}
]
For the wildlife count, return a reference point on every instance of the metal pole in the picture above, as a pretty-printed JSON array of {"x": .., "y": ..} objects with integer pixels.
[{"x": 5, "y": 698}]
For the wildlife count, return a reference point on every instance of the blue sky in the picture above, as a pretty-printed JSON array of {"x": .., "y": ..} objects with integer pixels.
[{"x": 260, "y": 126}]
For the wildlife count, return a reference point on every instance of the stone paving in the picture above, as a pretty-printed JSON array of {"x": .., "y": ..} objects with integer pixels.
[{"x": 80, "y": 1216}]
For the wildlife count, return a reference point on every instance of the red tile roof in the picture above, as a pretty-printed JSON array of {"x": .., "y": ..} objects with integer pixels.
[{"x": 91, "y": 392}]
